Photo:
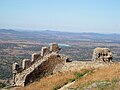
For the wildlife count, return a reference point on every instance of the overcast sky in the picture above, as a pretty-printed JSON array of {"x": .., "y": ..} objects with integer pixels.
[{"x": 101, "y": 16}]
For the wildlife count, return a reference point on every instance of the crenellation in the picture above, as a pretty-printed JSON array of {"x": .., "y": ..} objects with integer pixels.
[
  {"x": 15, "y": 67},
  {"x": 26, "y": 63},
  {"x": 35, "y": 56},
  {"x": 50, "y": 61},
  {"x": 54, "y": 48},
  {"x": 44, "y": 51},
  {"x": 41, "y": 64}
]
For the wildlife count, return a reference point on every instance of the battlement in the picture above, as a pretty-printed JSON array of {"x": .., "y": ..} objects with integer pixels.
[
  {"x": 49, "y": 61},
  {"x": 41, "y": 64},
  {"x": 35, "y": 56}
]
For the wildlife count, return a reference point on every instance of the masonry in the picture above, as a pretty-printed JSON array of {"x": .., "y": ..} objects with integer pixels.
[
  {"x": 41, "y": 64},
  {"x": 102, "y": 55},
  {"x": 48, "y": 61}
]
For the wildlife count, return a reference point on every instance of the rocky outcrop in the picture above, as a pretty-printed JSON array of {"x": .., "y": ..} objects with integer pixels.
[
  {"x": 102, "y": 55},
  {"x": 42, "y": 64}
]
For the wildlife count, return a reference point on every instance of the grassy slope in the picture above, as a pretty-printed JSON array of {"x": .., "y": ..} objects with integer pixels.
[
  {"x": 106, "y": 73},
  {"x": 58, "y": 80}
]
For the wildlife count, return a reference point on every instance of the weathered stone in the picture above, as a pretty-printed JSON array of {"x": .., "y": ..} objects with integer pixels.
[
  {"x": 54, "y": 47},
  {"x": 102, "y": 55},
  {"x": 26, "y": 63},
  {"x": 39, "y": 69},
  {"x": 41, "y": 65},
  {"x": 15, "y": 69},
  {"x": 35, "y": 56},
  {"x": 15, "y": 66},
  {"x": 44, "y": 51}
]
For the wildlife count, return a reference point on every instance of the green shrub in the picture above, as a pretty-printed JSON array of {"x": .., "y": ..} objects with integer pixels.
[{"x": 78, "y": 75}]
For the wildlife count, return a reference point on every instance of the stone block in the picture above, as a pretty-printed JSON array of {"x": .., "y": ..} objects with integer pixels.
[
  {"x": 26, "y": 63},
  {"x": 15, "y": 66},
  {"x": 35, "y": 56},
  {"x": 44, "y": 51},
  {"x": 54, "y": 47}
]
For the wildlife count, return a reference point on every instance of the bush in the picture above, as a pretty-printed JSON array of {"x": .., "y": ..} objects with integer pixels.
[{"x": 78, "y": 75}]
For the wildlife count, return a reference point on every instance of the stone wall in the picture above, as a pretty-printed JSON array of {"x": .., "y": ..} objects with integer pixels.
[
  {"x": 49, "y": 61},
  {"x": 47, "y": 67},
  {"x": 102, "y": 55},
  {"x": 26, "y": 63},
  {"x": 54, "y": 47},
  {"x": 40, "y": 65}
]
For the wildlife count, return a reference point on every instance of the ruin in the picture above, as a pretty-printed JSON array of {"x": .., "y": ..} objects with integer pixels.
[
  {"x": 49, "y": 61},
  {"x": 44, "y": 51},
  {"x": 54, "y": 47},
  {"x": 41, "y": 64},
  {"x": 26, "y": 63},
  {"x": 102, "y": 55},
  {"x": 35, "y": 57}
]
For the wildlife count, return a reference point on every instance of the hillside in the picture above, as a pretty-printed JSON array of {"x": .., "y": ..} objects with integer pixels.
[
  {"x": 102, "y": 78},
  {"x": 15, "y": 45},
  {"x": 55, "y": 35}
]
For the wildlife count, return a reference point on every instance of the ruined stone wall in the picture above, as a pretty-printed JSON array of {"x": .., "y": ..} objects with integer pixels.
[
  {"x": 47, "y": 67},
  {"x": 102, "y": 55},
  {"x": 40, "y": 65},
  {"x": 49, "y": 61}
]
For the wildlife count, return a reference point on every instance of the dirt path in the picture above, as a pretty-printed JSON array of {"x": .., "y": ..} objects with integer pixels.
[{"x": 66, "y": 86}]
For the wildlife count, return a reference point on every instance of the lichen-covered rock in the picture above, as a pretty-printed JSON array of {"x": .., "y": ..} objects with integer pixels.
[{"x": 102, "y": 55}]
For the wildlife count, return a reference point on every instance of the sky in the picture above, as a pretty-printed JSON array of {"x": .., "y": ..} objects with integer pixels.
[{"x": 99, "y": 16}]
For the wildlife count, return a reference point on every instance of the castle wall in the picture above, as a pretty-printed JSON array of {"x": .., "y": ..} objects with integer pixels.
[
  {"x": 26, "y": 63},
  {"x": 54, "y": 47},
  {"x": 47, "y": 67},
  {"x": 41, "y": 65},
  {"x": 50, "y": 61},
  {"x": 35, "y": 56},
  {"x": 44, "y": 51}
]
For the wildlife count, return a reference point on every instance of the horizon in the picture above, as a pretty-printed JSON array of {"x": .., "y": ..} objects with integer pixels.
[
  {"x": 25, "y": 30},
  {"x": 100, "y": 16}
]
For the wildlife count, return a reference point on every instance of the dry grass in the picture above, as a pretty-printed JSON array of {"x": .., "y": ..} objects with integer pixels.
[
  {"x": 60, "y": 79},
  {"x": 55, "y": 81},
  {"x": 105, "y": 73},
  {"x": 50, "y": 82}
]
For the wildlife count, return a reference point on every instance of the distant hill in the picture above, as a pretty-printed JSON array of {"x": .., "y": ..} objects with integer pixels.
[
  {"x": 15, "y": 45},
  {"x": 48, "y": 34}
]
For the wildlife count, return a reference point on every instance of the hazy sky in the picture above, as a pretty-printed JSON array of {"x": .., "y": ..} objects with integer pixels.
[{"x": 101, "y": 16}]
